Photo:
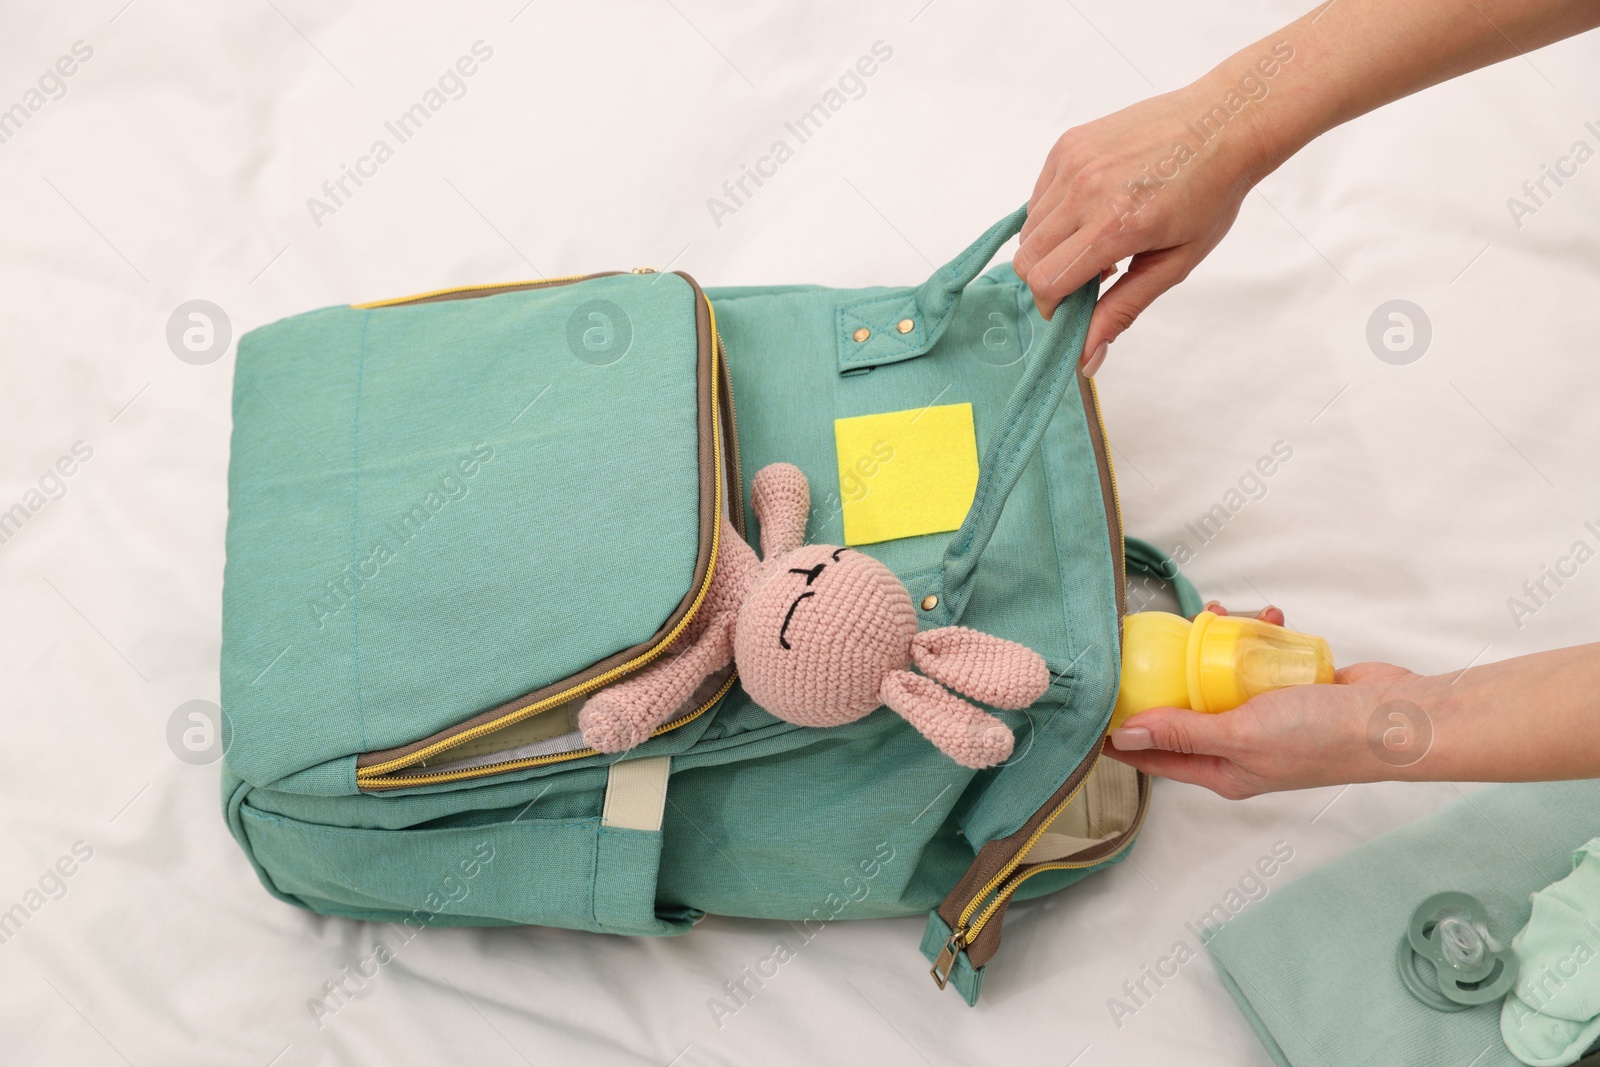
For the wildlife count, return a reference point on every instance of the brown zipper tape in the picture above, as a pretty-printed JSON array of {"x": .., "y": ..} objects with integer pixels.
[
  {"x": 1112, "y": 503},
  {"x": 987, "y": 942},
  {"x": 734, "y": 478},
  {"x": 404, "y": 779},
  {"x": 399, "y": 757},
  {"x": 995, "y": 856}
]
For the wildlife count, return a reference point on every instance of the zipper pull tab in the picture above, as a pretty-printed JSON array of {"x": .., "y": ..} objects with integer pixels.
[
  {"x": 947, "y": 958},
  {"x": 644, "y": 270}
]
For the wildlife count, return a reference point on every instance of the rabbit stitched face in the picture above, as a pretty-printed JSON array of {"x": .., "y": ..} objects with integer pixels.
[
  {"x": 821, "y": 636},
  {"x": 819, "y": 630}
]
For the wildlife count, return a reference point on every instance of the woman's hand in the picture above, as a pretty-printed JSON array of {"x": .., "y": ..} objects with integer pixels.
[
  {"x": 1162, "y": 181},
  {"x": 1137, "y": 183},
  {"x": 1295, "y": 738}
]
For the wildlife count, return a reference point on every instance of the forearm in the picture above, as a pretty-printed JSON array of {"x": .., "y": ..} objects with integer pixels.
[
  {"x": 1533, "y": 718},
  {"x": 1352, "y": 56}
]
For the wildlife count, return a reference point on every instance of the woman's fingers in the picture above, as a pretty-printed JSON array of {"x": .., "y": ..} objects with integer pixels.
[
  {"x": 1048, "y": 225},
  {"x": 1054, "y": 161},
  {"x": 1293, "y": 738},
  {"x": 1041, "y": 201},
  {"x": 1184, "y": 745},
  {"x": 1051, "y": 188},
  {"x": 1269, "y": 613},
  {"x": 1070, "y": 264},
  {"x": 1117, "y": 187},
  {"x": 1209, "y": 772},
  {"x": 1149, "y": 275},
  {"x": 1174, "y": 730}
]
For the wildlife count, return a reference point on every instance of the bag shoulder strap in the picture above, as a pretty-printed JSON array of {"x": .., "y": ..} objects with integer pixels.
[{"x": 1052, "y": 368}]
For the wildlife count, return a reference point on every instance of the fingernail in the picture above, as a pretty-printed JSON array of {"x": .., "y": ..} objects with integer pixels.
[
  {"x": 1131, "y": 739},
  {"x": 1092, "y": 364}
]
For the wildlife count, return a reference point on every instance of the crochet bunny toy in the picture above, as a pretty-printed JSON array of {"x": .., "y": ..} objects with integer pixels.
[{"x": 821, "y": 636}]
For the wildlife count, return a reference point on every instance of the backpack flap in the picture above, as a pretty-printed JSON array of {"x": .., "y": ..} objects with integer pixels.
[
  {"x": 454, "y": 515},
  {"x": 1089, "y": 823},
  {"x": 966, "y": 363},
  {"x": 1012, "y": 816}
]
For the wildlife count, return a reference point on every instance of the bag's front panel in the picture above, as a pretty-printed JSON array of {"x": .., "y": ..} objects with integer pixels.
[
  {"x": 559, "y": 866},
  {"x": 436, "y": 508},
  {"x": 1047, "y": 577},
  {"x": 845, "y": 823}
]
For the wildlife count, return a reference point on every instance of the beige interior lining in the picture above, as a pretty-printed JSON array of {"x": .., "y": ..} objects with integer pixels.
[
  {"x": 552, "y": 732},
  {"x": 548, "y": 724},
  {"x": 1104, "y": 808}
]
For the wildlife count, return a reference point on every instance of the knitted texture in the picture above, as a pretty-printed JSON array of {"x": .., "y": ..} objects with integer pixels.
[
  {"x": 821, "y": 628},
  {"x": 991, "y": 669},
  {"x": 621, "y": 716},
  {"x": 971, "y": 737},
  {"x": 781, "y": 499},
  {"x": 822, "y": 636}
]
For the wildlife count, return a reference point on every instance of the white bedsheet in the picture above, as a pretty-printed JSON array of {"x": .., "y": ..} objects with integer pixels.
[{"x": 177, "y": 166}]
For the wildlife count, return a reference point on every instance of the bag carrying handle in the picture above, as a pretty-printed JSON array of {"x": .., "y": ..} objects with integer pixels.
[
  {"x": 1151, "y": 562},
  {"x": 938, "y": 297},
  {"x": 887, "y": 326},
  {"x": 1052, "y": 369}
]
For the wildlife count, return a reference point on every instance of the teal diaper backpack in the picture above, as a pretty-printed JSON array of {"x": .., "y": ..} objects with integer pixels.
[{"x": 454, "y": 517}]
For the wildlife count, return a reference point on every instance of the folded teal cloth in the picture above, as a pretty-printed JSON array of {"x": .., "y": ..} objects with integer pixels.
[
  {"x": 1553, "y": 1014},
  {"x": 1313, "y": 966}
]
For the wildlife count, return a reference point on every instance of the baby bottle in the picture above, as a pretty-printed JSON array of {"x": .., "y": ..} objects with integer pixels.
[{"x": 1214, "y": 663}]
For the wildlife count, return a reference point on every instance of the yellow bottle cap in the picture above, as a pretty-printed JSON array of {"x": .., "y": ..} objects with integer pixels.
[
  {"x": 1232, "y": 658},
  {"x": 1213, "y": 664}
]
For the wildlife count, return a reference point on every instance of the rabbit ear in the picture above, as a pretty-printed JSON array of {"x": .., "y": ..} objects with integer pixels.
[
  {"x": 781, "y": 499},
  {"x": 971, "y": 737},
  {"x": 987, "y": 668}
]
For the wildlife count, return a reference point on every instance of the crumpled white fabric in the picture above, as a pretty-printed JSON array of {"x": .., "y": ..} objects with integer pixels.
[{"x": 178, "y": 166}]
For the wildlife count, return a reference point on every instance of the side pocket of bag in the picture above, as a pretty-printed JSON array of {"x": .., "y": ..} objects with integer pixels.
[{"x": 595, "y": 872}]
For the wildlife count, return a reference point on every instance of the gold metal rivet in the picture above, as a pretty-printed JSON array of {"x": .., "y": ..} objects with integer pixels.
[
  {"x": 861, "y": 334},
  {"x": 905, "y": 326},
  {"x": 930, "y": 602}
]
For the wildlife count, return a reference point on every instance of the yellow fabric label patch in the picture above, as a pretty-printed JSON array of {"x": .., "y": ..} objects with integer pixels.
[{"x": 906, "y": 473}]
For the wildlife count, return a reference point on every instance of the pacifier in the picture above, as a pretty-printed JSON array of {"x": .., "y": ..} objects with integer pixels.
[{"x": 1451, "y": 931}]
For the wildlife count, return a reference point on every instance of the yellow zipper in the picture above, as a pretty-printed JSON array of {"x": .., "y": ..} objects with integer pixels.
[
  {"x": 963, "y": 933},
  {"x": 1116, "y": 494},
  {"x": 392, "y": 301},
  {"x": 437, "y": 777},
  {"x": 1014, "y": 863},
  {"x": 1006, "y": 891},
  {"x": 968, "y": 928},
  {"x": 733, "y": 424},
  {"x": 366, "y": 776},
  {"x": 964, "y": 930}
]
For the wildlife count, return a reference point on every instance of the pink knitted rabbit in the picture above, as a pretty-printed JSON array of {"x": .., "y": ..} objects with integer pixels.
[{"x": 821, "y": 636}]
